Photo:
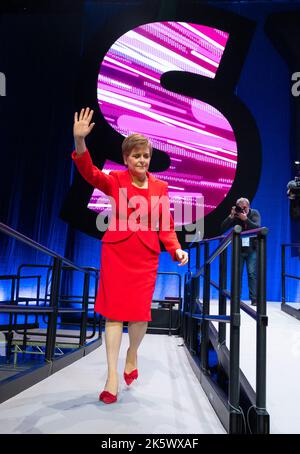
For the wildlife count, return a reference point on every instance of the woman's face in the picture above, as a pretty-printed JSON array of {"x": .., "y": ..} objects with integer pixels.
[{"x": 138, "y": 161}]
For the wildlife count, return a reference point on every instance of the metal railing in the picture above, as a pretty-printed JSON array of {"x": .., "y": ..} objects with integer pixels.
[
  {"x": 70, "y": 299},
  {"x": 51, "y": 307},
  {"x": 285, "y": 307},
  {"x": 169, "y": 302},
  {"x": 197, "y": 318}
]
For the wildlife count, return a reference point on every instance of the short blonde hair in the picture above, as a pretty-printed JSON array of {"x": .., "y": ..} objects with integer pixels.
[{"x": 135, "y": 140}]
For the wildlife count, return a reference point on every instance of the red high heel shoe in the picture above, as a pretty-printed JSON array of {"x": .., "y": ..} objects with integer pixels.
[
  {"x": 107, "y": 397},
  {"x": 130, "y": 377}
]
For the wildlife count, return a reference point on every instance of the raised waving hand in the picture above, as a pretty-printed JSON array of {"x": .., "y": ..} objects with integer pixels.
[{"x": 82, "y": 127}]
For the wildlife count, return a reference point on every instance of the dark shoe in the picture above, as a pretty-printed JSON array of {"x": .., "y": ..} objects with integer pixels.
[{"x": 253, "y": 303}]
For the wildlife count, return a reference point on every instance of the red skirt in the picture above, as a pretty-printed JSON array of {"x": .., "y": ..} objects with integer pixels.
[{"x": 127, "y": 280}]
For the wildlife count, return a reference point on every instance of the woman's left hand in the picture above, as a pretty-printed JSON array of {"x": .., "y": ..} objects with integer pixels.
[{"x": 181, "y": 256}]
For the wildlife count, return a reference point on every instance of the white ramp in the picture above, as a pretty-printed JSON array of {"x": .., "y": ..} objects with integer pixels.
[{"x": 166, "y": 399}]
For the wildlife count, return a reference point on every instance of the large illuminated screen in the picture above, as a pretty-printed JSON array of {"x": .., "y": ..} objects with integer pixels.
[{"x": 197, "y": 137}]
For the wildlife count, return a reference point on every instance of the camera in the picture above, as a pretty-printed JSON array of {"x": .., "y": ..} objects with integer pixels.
[
  {"x": 238, "y": 209},
  {"x": 293, "y": 186},
  {"x": 293, "y": 193}
]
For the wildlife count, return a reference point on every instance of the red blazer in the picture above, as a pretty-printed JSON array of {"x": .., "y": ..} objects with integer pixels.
[{"x": 115, "y": 184}]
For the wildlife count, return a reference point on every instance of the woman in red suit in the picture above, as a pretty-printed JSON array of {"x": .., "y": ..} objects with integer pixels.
[{"x": 130, "y": 249}]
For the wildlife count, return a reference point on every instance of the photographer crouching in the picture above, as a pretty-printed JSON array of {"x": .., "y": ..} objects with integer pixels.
[
  {"x": 241, "y": 214},
  {"x": 293, "y": 193}
]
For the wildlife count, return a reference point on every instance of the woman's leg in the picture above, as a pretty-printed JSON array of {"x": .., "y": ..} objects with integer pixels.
[
  {"x": 136, "y": 331},
  {"x": 113, "y": 338}
]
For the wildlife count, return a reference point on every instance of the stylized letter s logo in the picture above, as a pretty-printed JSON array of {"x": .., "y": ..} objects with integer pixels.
[
  {"x": 197, "y": 137},
  {"x": 174, "y": 81}
]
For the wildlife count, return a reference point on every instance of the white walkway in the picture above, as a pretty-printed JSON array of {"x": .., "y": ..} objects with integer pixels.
[
  {"x": 283, "y": 365},
  {"x": 166, "y": 399}
]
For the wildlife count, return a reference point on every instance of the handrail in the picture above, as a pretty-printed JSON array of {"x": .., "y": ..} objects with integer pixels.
[
  {"x": 62, "y": 298},
  {"x": 226, "y": 241},
  {"x": 254, "y": 232},
  {"x": 244, "y": 306},
  {"x": 292, "y": 276},
  {"x": 53, "y": 309},
  {"x": 19, "y": 236},
  {"x": 220, "y": 248},
  {"x": 251, "y": 232},
  {"x": 192, "y": 319},
  {"x": 291, "y": 244}
]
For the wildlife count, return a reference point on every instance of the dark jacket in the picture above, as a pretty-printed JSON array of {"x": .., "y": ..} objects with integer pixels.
[{"x": 253, "y": 222}]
